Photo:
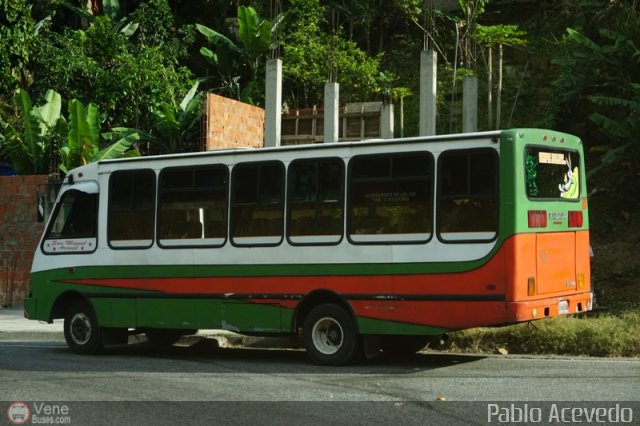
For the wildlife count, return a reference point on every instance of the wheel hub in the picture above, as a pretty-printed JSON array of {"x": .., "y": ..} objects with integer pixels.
[
  {"x": 327, "y": 336},
  {"x": 80, "y": 328}
]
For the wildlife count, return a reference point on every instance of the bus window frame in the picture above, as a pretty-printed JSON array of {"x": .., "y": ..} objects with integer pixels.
[
  {"x": 430, "y": 196},
  {"x": 154, "y": 203},
  {"x": 54, "y": 215},
  {"x": 159, "y": 199},
  {"x": 232, "y": 204},
  {"x": 439, "y": 196},
  {"x": 559, "y": 149},
  {"x": 342, "y": 202}
]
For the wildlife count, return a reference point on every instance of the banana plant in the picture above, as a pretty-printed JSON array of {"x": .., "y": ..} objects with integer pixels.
[
  {"x": 255, "y": 36},
  {"x": 172, "y": 126},
  {"x": 31, "y": 144},
  {"x": 83, "y": 140},
  {"x": 111, "y": 8}
]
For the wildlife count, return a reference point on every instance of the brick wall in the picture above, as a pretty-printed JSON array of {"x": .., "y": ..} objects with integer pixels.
[
  {"x": 19, "y": 235},
  {"x": 233, "y": 124}
]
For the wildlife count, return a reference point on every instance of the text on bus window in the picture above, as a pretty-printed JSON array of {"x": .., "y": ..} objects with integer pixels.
[{"x": 468, "y": 195}]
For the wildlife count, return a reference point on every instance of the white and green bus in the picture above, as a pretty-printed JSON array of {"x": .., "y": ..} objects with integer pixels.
[{"x": 388, "y": 241}]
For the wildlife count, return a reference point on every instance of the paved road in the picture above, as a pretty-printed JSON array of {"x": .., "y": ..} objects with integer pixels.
[{"x": 280, "y": 386}]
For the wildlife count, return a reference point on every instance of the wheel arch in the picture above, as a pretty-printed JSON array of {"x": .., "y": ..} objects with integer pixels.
[
  {"x": 317, "y": 298},
  {"x": 64, "y": 301}
]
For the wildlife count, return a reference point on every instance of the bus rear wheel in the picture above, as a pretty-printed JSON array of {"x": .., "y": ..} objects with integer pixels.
[
  {"x": 329, "y": 335},
  {"x": 81, "y": 330}
]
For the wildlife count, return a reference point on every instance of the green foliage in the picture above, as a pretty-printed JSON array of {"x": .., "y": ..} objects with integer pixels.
[
  {"x": 173, "y": 127},
  {"x": 17, "y": 38},
  {"x": 124, "y": 80},
  {"x": 606, "y": 74},
  {"x": 493, "y": 35},
  {"x": 30, "y": 143},
  {"x": 608, "y": 335},
  {"x": 239, "y": 65},
  {"x": 310, "y": 53},
  {"x": 157, "y": 28},
  {"x": 254, "y": 32},
  {"x": 33, "y": 143},
  {"x": 83, "y": 141}
]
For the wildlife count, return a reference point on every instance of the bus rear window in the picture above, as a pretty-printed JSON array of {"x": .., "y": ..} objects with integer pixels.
[{"x": 552, "y": 173}]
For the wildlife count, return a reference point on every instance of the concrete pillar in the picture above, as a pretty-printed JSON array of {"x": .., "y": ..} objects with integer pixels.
[
  {"x": 386, "y": 121},
  {"x": 273, "y": 103},
  {"x": 470, "y": 104},
  {"x": 428, "y": 80},
  {"x": 331, "y": 112}
]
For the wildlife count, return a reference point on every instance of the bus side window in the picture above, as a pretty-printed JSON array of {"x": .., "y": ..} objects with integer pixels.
[
  {"x": 315, "y": 214},
  {"x": 390, "y": 198},
  {"x": 192, "y": 207},
  {"x": 468, "y": 198},
  {"x": 257, "y": 206},
  {"x": 131, "y": 209}
]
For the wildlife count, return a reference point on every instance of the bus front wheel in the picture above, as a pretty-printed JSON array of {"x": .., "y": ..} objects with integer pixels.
[
  {"x": 329, "y": 335},
  {"x": 81, "y": 330}
]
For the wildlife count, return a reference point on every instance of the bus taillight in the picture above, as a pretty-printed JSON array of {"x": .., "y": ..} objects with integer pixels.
[
  {"x": 531, "y": 286},
  {"x": 575, "y": 219},
  {"x": 537, "y": 218}
]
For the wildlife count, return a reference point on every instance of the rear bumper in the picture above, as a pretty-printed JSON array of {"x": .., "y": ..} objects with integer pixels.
[{"x": 548, "y": 307}]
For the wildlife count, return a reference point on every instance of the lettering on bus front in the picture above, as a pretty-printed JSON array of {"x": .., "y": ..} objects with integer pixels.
[{"x": 73, "y": 228}]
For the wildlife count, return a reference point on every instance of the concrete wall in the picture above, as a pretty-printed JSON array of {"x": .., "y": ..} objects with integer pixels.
[
  {"x": 19, "y": 235},
  {"x": 233, "y": 124}
]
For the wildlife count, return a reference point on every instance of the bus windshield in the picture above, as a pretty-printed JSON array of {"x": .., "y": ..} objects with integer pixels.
[{"x": 552, "y": 173}]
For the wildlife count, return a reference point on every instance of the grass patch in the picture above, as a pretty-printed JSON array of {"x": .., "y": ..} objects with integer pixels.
[{"x": 606, "y": 335}]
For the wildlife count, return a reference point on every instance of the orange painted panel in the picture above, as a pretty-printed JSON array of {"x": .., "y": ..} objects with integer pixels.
[{"x": 556, "y": 262}]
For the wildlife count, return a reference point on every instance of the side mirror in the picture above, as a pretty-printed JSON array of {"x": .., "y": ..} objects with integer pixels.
[
  {"x": 46, "y": 195},
  {"x": 40, "y": 207}
]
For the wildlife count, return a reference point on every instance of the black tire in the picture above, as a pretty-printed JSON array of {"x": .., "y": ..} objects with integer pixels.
[
  {"x": 81, "y": 330},
  {"x": 165, "y": 337},
  {"x": 329, "y": 335},
  {"x": 402, "y": 346}
]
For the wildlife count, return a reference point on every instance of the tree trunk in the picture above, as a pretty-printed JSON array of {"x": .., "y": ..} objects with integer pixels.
[{"x": 490, "y": 91}]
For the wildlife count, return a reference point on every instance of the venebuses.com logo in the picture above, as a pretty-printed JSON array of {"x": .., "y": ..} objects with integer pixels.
[{"x": 20, "y": 413}]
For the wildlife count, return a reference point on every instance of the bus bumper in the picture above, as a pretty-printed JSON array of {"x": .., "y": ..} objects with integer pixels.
[
  {"x": 30, "y": 306},
  {"x": 549, "y": 307}
]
